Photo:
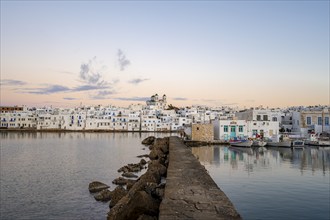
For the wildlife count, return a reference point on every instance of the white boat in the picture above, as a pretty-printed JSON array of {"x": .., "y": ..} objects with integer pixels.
[
  {"x": 298, "y": 144},
  {"x": 241, "y": 143},
  {"x": 316, "y": 140},
  {"x": 282, "y": 140},
  {"x": 286, "y": 143},
  {"x": 259, "y": 143}
]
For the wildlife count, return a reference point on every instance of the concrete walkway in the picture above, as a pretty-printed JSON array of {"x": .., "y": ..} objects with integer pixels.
[{"x": 190, "y": 192}]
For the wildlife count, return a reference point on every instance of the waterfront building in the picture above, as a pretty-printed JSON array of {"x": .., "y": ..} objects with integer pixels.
[
  {"x": 230, "y": 129},
  {"x": 314, "y": 119}
]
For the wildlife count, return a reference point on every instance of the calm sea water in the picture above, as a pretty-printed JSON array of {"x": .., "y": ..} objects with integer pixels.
[
  {"x": 46, "y": 175},
  {"x": 273, "y": 183}
]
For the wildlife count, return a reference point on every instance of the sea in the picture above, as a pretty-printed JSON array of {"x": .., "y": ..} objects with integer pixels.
[{"x": 45, "y": 175}]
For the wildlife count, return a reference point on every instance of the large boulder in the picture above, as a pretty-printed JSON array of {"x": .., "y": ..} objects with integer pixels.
[
  {"x": 104, "y": 195},
  {"x": 133, "y": 207},
  {"x": 149, "y": 140},
  {"x": 97, "y": 186},
  {"x": 117, "y": 195}
]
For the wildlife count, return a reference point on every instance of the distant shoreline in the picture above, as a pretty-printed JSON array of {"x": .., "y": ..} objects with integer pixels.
[{"x": 83, "y": 131}]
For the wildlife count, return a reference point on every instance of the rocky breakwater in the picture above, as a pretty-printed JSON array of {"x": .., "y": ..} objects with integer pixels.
[{"x": 142, "y": 197}]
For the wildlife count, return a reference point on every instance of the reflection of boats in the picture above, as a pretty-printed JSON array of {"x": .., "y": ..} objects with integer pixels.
[
  {"x": 259, "y": 143},
  {"x": 242, "y": 150},
  {"x": 241, "y": 143},
  {"x": 298, "y": 144},
  {"x": 318, "y": 140}
]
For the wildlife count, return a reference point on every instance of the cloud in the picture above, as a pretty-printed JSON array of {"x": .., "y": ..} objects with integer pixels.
[
  {"x": 69, "y": 98},
  {"x": 91, "y": 72},
  {"x": 51, "y": 89},
  {"x": 47, "y": 90},
  {"x": 137, "y": 81},
  {"x": 12, "y": 82},
  {"x": 104, "y": 94},
  {"x": 122, "y": 60},
  {"x": 180, "y": 99},
  {"x": 135, "y": 99},
  {"x": 88, "y": 88}
]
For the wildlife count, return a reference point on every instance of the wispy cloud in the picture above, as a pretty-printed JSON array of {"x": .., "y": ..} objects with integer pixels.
[
  {"x": 104, "y": 94},
  {"x": 122, "y": 60},
  {"x": 135, "y": 99},
  {"x": 137, "y": 81},
  {"x": 46, "y": 90},
  {"x": 88, "y": 88},
  {"x": 51, "y": 89},
  {"x": 69, "y": 98},
  {"x": 91, "y": 72},
  {"x": 180, "y": 99},
  {"x": 12, "y": 82}
]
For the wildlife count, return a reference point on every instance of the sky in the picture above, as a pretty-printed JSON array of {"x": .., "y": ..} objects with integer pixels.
[{"x": 214, "y": 53}]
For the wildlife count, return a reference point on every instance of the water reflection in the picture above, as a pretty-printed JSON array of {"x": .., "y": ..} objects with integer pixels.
[{"x": 308, "y": 158}]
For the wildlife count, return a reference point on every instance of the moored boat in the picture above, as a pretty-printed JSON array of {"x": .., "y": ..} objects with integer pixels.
[
  {"x": 298, "y": 144},
  {"x": 317, "y": 140},
  {"x": 259, "y": 143},
  {"x": 241, "y": 143}
]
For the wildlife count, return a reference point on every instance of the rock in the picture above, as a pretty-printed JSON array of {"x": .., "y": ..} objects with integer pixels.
[
  {"x": 143, "y": 161},
  {"x": 104, "y": 195},
  {"x": 97, "y": 186},
  {"x": 144, "y": 155},
  {"x": 147, "y": 217},
  {"x": 149, "y": 140},
  {"x": 120, "y": 181},
  {"x": 129, "y": 175},
  {"x": 158, "y": 167},
  {"x": 116, "y": 195},
  {"x": 130, "y": 184},
  {"x": 133, "y": 207}
]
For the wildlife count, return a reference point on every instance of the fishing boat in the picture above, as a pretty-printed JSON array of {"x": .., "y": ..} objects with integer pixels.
[
  {"x": 258, "y": 143},
  {"x": 317, "y": 140},
  {"x": 240, "y": 143},
  {"x": 279, "y": 141},
  {"x": 298, "y": 144}
]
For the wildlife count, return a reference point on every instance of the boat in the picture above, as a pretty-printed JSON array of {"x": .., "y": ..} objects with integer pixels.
[
  {"x": 259, "y": 143},
  {"x": 286, "y": 143},
  {"x": 279, "y": 141},
  {"x": 240, "y": 143},
  {"x": 318, "y": 140},
  {"x": 298, "y": 144}
]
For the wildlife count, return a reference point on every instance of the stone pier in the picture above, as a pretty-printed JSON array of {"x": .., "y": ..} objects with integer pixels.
[{"x": 190, "y": 192}]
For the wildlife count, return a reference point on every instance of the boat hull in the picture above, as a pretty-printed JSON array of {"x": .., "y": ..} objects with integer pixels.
[
  {"x": 279, "y": 144},
  {"x": 259, "y": 143},
  {"x": 247, "y": 143}
]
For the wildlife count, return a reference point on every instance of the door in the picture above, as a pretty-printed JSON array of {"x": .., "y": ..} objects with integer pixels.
[{"x": 232, "y": 131}]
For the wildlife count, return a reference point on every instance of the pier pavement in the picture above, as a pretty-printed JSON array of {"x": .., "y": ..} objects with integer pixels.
[{"x": 190, "y": 192}]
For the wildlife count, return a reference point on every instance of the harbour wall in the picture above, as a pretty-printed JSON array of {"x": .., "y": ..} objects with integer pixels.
[{"x": 190, "y": 192}]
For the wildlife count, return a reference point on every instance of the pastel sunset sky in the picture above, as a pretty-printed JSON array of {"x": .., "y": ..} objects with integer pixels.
[{"x": 236, "y": 53}]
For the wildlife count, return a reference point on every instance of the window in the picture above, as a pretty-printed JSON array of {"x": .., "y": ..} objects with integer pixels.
[
  {"x": 240, "y": 128},
  {"x": 225, "y": 128},
  {"x": 265, "y": 117},
  {"x": 309, "y": 120},
  {"x": 233, "y": 129},
  {"x": 254, "y": 132},
  {"x": 258, "y": 117},
  {"x": 319, "y": 120},
  {"x": 274, "y": 119},
  {"x": 326, "y": 121}
]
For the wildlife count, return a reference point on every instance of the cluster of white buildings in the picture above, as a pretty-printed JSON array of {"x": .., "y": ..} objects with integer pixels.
[{"x": 227, "y": 123}]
